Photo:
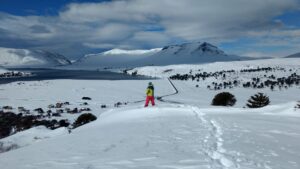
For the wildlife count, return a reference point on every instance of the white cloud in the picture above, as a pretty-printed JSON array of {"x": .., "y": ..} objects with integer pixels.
[{"x": 129, "y": 23}]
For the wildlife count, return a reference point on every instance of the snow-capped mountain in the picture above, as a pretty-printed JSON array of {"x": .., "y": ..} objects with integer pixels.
[
  {"x": 116, "y": 58},
  {"x": 10, "y": 57},
  {"x": 296, "y": 55},
  {"x": 187, "y": 53},
  {"x": 191, "y": 53}
]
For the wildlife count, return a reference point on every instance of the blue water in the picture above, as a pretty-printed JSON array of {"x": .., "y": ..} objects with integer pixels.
[{"x": 49, "y": 74}]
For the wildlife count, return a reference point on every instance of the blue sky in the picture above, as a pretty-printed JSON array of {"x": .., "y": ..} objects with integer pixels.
[
  {"x": 77, "y": 27},
  {"x": 37, "y": 7}
]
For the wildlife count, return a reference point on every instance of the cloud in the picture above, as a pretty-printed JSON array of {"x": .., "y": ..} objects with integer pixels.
[
  {"x": 39, "y": 29},
  {"x": 144, "y": 23}
]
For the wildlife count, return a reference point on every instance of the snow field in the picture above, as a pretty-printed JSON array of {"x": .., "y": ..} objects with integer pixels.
[
  {"x": 183, "y": 132},
  {"x": 168, "y": 136}
]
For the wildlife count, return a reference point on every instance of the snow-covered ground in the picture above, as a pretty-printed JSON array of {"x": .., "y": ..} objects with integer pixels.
[
  {"x": 184, "y": 131},
  {"x": 170, "y": 136},
  {"x": 29, "y": 137},
  {"x": 166, "y": 71}
]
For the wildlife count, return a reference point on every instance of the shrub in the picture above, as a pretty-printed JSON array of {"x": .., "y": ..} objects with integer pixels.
[
  {"x": 84, "y": 119},
  {"x": 86, "y": 98},
  {"x": 298, "y": 105},
  {"x": 258, "y": 100},
  {"x": 224, "y": 99},
  {"x": 63, "y": 123},
  {"x": 134, "y": 73}
]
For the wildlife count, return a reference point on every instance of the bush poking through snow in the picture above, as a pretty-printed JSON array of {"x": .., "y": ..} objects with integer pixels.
[
  {"x": 84, "y": 119},
  {"x": 224, "y": 99},
  {"x": 258, "y": 100},
  {"x": 86, "y": 98},
  {"x": 63, "y": 123},
  {"x": 5, "y": 148},
  {"x": 297, "y": 105}
]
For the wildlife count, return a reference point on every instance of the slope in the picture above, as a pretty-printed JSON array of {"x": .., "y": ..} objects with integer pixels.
[
  {"x": 169, "y": 136},
  {"x": 30, "y": 58},
  {"x": 115, "y": 58},
  {"x": 296, "y": 55}
]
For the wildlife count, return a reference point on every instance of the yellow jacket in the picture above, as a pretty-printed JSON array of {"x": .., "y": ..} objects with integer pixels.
[{"x": 149, "y": 92}]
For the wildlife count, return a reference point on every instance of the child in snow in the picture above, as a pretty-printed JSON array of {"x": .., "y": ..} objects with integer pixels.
[{"x": 150, "y": 94}]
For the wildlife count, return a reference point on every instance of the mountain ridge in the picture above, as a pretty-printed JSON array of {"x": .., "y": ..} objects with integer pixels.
[
  {"x": 186, "y": 53},
  {"x": 296, "y": 55}
]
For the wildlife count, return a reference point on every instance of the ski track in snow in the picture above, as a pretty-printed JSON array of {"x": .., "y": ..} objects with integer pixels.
[{"x": 213, "y": 143}]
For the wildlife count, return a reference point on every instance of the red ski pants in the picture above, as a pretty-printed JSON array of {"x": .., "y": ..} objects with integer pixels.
[{"x": 149, "y": 98}]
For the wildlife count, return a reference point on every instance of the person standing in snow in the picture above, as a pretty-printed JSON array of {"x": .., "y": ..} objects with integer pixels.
[{"x": 150, "y": 95}]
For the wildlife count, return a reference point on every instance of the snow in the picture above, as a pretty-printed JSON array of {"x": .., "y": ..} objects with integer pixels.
[
  {"x": 182, "y": 131},
  {"x": 132, "y": 52},
  {"x": 10, "y": 57},
  {"x": 168, "y": 136},
  {"x": 169, "y": 70},
  {"x": 30, "y": 136}
]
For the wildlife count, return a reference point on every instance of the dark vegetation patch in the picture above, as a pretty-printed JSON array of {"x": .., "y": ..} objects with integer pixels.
[
  {"x": 84, "y": 119},
  {"x": 224, "y": 99},
  {"x": 266, "y": 78},
  {"x": 258, "y": 100}
]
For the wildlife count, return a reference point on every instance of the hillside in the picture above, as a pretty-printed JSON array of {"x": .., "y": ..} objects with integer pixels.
[
  {"x": 30, "y": 58},
  {"x": 191, "y": 53},
  {"x": 168, "y": 137},
  {"x": 115, "y": 58},
  {"x": 296, "y": 55}
]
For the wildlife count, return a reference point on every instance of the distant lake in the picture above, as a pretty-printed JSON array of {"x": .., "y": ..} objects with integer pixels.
[{"x": 49, "y": 74}]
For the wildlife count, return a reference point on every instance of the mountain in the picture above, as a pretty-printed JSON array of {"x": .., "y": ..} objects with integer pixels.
[
  {"x": 115, "y": 58},
  {"x": 191, "y": 53},
  {"x": 187, "y": 53},
  {"x": 296, "y": 55},
  {"x": 10, "y": 57}
]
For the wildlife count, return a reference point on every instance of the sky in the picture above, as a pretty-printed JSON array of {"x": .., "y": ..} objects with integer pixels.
[{"x": 268, "y": 28}]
